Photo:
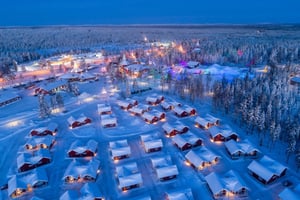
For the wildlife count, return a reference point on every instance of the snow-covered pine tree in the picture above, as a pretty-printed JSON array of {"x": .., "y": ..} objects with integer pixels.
[
  {"x": 44, "y": 110},
  {"x": 291, "y": 144},
  {"x": 59, "y": 100}
]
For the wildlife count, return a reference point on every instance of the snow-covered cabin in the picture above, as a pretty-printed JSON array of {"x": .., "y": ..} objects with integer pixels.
[
  {"x": 290, "y": 193},
  {"x": 207, "y": 122},
  {"x": 229, "y": 184},
  {"x": 125, "y": 105},
  {"x": 160, "y": 115},
  {"x": 70, "y": 77},
  {"x": 133, "y": 102},
  {"x": 149, "y": 118},
  {"x": 51, "y": 129},
  {"x": 266, "y": 170},
  {"x": 184, "y": 111},
  {"x": 164, "y": 168},
  {"x": 139, "y": 109},
  {"x": 51, "y": 88},
  {"x": 154, "y": 99},
  {"x": 186, "y": 141},
  {"x": 27, "y": 161},
  {"x": 82, "y": 171},
  {"x": 185, "y": 194},
  {"x": 169, "y": 105},
  {"x": 90, "y": 191},
  {"x": 222, "y": 135},
  {"x": 109, "y": 120},
  {"x": 119, "y": 149},
  {"x": 20, "y": 184},
  {"x": 129, "y": 176},
  {"x": 70, "y": 195},
  {"x": 136, "y": 70},
  {"x": 35, "y": 143},
  {"x": 104, "y": 109},
  {"x": 171, "y": 129},
  {"x": 82, "y": 120},
  {"x": 83, "y": 149},
  {"x": 201, "y": 158},
  {"x": 151, "y": 142},
  {"x": 8, "y": 97},
  {"x": 244, "y": 148}
]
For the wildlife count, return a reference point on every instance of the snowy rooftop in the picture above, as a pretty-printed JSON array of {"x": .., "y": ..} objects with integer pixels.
[
  {"x": 243, "y": 146},
  {"x": 79, "y": 146},
  {"x": 128, "y": 175},
  {"x": 32, "y": 158},
  {"x": 7, "y": 95},
  {"x": 230, "y": 182},
  {"x": 80, "y": 168},
  {"x": 52, "y": 85},
  {"x": 180, "y": 195},
  {"x": 80, "y": 119},
  {"x": 36, "y": 141},
  {"x": 214, "y": 131},
  {"x": 183, "y": 139},
  {"x": 290, "y": 194},
  {"x": 177, "y": 125},
  {"x": 103, "y": 108},
  {"x": 266, "y": 167},
  {"x": 108, "y": 119},
  {"x": 119, "y": 148},
  {"x": 199, "y": 156}
]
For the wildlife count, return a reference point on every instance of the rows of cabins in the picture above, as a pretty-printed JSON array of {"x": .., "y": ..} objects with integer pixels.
[{"x": 31, "y": 174}]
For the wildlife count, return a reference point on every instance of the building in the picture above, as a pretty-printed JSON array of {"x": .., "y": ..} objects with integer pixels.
[
  {"x": 201, "y": 158},
  {"x": 8, "y": 97},
  {"x": 28, "y": 161},
  {"x": 149, "y": 118},
  {"x": 82, "y": 120},
  {"x": 154, "y": 99},
  {"x": 229, "y": 185},
  {"x": 169, "y": 105},
  {"x": 104, "y": 109},
  {"x": 36, "y": 143},
  {"x": 160, "y": 115},
  {"x": 184, "y": 111},
  {"x": 70, "y": 77},
  {"x": 80, "y": 170},
  {"x": 139, "y": 110},
  {"x": 182, "y": 194},
  {"x": 151, "y": 142},
  {"x": 171, "y": 129},
  {"x": 51, "y": 129},
  {"x": 164, "y": 168},
  {"x": 222, "y": 135},
  {"x": 186, "y": 141},
  {"x": 290, "y": 193},
  {"x": 207, "y": 122},
  {"x": 128, "y": 176},
  {"x": 83, "y": 149},
  {"x": 108, "y": 120},
  {"x": 51, "y": 87},
  {"x": 91, "y": 191},
  {"x": 24, "y": 183},
  {"x": 266, "y": 170},
  {"x": 238, "y": 150},
  {"x": 119, "y": 149}
]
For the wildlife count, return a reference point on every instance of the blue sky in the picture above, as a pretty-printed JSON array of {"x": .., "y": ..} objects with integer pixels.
[{"x": 77, "y": 12}]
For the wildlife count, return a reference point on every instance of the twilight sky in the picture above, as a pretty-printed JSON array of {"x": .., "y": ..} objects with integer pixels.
[{"x": 78, "y": 12}]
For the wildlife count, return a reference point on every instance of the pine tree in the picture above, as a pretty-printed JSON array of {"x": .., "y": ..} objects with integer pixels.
[
  {"x": 60, "y": 101},
  {"x": 43, "y": 107},
  {"x": 291, "y": 145}
]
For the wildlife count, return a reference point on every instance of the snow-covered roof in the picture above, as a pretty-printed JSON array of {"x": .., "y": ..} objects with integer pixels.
[
  {"x": 290, "y": 194},
  {"x": 137, "y": 110},
  {"x": 148, "y": 116},
  {"x": 156, "y": 113},
  {"x": 119, "y": 148},
  {"x": 152, "y": 99},
  {"x": 167, "y": 171},
  {"x": 180, "y": 195},
  {"x": 32, "y": 158},
  {"x": 214, "y": 131},
  {"x": 166, "y": 105},
  {"x": 81, "y": 119},
  {"x": 52, "y": 85},
  {"x": 128, "y": 175},
  {"x": 136, "y": 67},
  {"x": 208, "y": 119},
  {"x": 266, "y": 168},
  {"x": 80, "y": 168},
  {"x": 79, "y": 146},
  {"x": 296, "y": 79},
  {"x": 177, "y": 125},
  {"x": 124, "y": 62},
  {"x": 86, "y": 75},
  {"x": 199, "y": 156},
  {"x": 103, "y": 108},
  {"x": 243, "y": 146},
  {"x": 36, "y": 141},
  {"x": 108, "y": 119},
  {"x": 230, "y": 181},
  {"x": 179, "y": 110},
  {"x": 69, "y": 195},
  {"x": 7, "y": 95},
  {"x": 187, "y": 138},
  {"x": 90, "y": 191},
  {"x": 22, "y": 180},
  {"x": 159, "y": 162},
  {"x": 124, "y": 104},
  {"x": 152, "y": 144}
]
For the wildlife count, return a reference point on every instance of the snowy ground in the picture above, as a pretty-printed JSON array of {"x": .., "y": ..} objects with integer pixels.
[{"x": 25, "y": 114}]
